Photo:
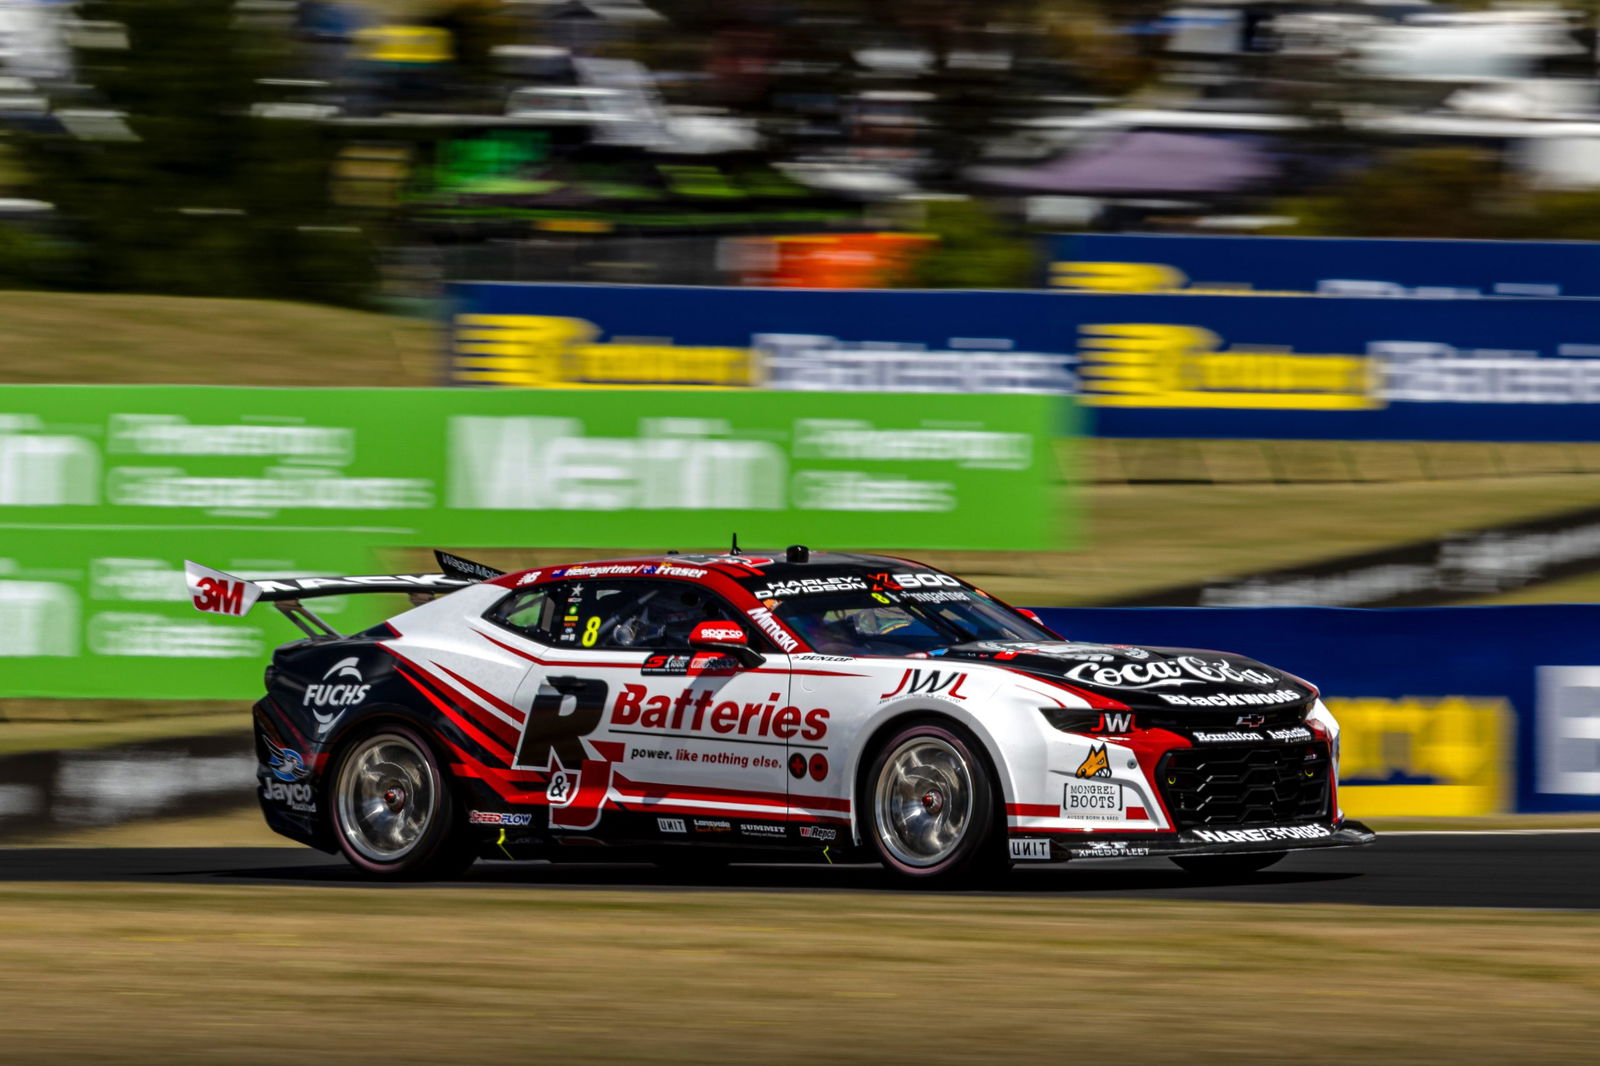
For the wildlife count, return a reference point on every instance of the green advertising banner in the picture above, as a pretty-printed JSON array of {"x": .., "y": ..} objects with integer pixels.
[{"x": 106, "y": 490}]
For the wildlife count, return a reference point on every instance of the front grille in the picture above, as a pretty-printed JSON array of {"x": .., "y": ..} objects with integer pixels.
[
  {"x": 1242, "y": 786},
  {"x": 1188, "y": 718}
]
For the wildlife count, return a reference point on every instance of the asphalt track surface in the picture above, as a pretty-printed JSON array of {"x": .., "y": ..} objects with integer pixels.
[{"x": 1544, "y": 870}]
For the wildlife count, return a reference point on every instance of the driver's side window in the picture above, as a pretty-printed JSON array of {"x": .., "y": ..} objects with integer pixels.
[{"x": 644, "y": 615}]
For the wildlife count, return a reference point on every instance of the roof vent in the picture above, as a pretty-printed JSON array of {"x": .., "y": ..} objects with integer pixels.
[{"x": 798, "y": 553}]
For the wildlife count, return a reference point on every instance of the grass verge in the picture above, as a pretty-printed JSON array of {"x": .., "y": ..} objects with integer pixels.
[{"x": 134, "y": 974}]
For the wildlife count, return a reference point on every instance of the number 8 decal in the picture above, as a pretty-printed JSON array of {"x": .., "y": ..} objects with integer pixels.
[{"x": 591, "y": 631}]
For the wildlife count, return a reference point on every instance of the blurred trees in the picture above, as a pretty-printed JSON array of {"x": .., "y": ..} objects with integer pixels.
[{"x": 170, "y": 185}]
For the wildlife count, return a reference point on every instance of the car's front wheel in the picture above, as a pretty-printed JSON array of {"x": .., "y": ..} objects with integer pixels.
[
  {"x": 929, "y": 799},
  {"x": 1228, "y": 865},
  {"x": 393, "y": 813}
]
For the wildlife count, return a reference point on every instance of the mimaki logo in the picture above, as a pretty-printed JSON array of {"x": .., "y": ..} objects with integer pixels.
[
  {"x": 342, "y": 686},
  {"x": 1098, "y": 764}
]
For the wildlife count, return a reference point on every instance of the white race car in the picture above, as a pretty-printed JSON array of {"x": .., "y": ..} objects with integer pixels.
[{"x": 707, "y": 708}]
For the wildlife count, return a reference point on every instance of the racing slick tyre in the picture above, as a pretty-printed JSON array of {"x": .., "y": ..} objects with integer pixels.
[
  {"x": 1228, "y": 865},
  {"x": 393, "y": 812},
  {"x": 930, "y": 802}
]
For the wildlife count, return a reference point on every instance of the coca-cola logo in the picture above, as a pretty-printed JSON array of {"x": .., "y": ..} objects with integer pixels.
[{"x": 1183, "y": 670}]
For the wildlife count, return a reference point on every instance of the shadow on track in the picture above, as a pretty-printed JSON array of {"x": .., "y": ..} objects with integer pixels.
[{"x": 1463, "y": 870}]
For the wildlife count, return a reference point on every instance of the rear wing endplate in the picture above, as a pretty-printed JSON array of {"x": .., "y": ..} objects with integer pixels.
[{"x": 217, "y": 592}]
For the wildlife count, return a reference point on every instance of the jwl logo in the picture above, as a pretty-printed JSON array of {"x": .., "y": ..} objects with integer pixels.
[{"x": 928, "y": 683}]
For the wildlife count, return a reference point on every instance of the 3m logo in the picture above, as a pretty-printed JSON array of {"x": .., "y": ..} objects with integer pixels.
[
  {"x": 216, "y": 596},
  {"x": 215, "y": 592},
  {"x": 928, "y": 683}
]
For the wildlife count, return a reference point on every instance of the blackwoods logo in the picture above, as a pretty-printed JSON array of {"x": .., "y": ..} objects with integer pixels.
[{"x": 929, "y": 683}]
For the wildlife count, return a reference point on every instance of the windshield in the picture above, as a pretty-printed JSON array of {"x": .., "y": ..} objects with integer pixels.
[{"x": 899, "y": 623}]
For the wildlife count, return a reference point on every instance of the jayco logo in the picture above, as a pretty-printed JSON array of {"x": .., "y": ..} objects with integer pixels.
[
  {"x": 1184, "y": 670},
  {"x": 342, "y": 686}
]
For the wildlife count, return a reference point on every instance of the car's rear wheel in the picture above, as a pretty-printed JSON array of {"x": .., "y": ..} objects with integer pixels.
[
  {"x": 929, "y": 798},
  {"x": 1228, "y": 865},
  {"x": 393, "y": 812}
]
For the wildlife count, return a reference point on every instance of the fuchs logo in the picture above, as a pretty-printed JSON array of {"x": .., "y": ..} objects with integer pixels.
[
  {"x": 1250, "y": 721},
  {"x": 671, "y": 825},
  {"x": 342, "y": 686},
  {"x": 773, "y": 628},
  {"x": 498, "y": 818},
  {"x": 929, "y": 683},
  {"x": 1098, "y": 763}
]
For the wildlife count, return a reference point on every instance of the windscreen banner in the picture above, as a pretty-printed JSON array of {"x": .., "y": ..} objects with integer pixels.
[
  {"x": 106, "y": 491},
  {"x": 1453, "y": 711},
  {"x": 1337, "y": 266},
  {"x": 1173, "y": 365}
]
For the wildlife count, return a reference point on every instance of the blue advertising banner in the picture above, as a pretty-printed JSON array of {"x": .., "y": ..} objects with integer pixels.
[
  {"x": 1101, "y": 262},
  {"x": 1444, "y": 710},
  {"x": 1270, "y": 367}
]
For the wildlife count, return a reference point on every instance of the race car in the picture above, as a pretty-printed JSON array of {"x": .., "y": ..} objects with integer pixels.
[{"x": 712, "y": 708}]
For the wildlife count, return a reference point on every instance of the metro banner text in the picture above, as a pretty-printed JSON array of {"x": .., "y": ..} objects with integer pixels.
[{"x": 105, "y": 491}]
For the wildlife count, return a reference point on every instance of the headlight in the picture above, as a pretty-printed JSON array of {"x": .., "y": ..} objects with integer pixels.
[{"x": 1082, "y": 720}]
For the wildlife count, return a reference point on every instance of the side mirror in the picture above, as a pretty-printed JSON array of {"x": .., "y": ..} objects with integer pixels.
[{"x": 729, "y": 639}]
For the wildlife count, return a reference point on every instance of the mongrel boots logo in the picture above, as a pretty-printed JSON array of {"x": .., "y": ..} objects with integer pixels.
[{"x": 342, "y": 686}]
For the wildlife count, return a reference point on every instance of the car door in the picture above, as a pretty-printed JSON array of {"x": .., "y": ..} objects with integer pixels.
[{"x": 639, "y": 736}]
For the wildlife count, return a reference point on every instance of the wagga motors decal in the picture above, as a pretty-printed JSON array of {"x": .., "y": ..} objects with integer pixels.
[{"x": 1183, "y": 670}]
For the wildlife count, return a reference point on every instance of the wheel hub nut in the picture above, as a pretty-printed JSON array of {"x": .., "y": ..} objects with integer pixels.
[
  {"x": 932, "y": 802},
  {"x": 394, "y": 798}
]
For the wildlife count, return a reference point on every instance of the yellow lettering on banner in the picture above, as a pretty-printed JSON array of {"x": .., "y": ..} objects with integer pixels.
[
  {"x": 1419, "y": 757},
  {"x": 544, "y": 351},
  {"x": 1117, "y": 277},
  {"x": 1150, "y": 364}
]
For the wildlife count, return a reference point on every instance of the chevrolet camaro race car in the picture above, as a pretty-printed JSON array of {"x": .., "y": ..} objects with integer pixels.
[{"x": 704, "y": 708}]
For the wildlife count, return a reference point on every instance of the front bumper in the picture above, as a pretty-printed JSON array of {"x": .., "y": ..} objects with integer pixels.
[{"x": 1063, "y": 848}]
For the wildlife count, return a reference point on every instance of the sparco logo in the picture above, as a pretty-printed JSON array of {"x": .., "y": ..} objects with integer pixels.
[
  {"x": 342, "y": 686},
  {"x": 773, "y": 628},
  {"x": 1184, "y": 670}
]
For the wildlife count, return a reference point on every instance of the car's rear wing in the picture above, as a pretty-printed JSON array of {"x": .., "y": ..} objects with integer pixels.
[{"x": 218, "y": 592}]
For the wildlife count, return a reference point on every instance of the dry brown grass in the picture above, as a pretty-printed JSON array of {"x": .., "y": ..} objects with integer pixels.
[{"x": 137, "y": 974}]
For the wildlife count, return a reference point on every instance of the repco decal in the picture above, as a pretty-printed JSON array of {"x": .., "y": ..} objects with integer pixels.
[
  {"x": 929, "y": 683},
  {"x": 700, "y": 712},
  {"x": 566, "y": 710}
]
